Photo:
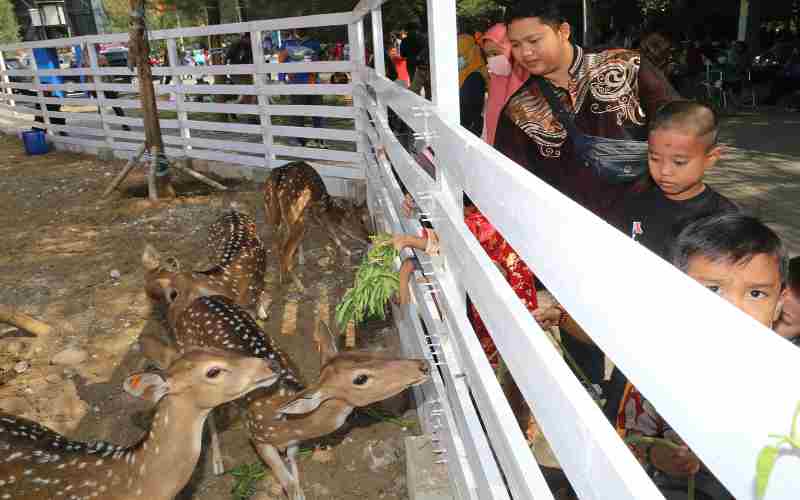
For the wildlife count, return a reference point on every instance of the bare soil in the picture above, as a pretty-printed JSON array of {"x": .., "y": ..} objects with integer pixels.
[{"x": 58, "y": 247}]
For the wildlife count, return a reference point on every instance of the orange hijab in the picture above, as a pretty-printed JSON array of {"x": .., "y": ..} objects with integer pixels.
[{"x": 501, "y": 88}]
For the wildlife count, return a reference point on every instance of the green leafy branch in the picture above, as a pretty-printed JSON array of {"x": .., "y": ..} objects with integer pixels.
[
  {"x": 247, "y": 476},
  {"x": 375, "y": 283},
  {"x": 770, "y": 453}
]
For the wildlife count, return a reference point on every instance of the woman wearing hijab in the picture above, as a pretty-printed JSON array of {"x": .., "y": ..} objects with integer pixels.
[
  {"x": 472, "y": 77},
  {"x": 505, "y": 78}
]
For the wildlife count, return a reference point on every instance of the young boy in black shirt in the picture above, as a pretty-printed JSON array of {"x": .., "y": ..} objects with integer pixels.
[{"x": 682, "y": 147}]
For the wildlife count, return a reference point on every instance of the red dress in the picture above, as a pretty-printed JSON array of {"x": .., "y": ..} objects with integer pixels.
[{"x": 518, "y": 275}]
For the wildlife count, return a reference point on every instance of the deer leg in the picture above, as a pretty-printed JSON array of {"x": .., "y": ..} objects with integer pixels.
[
  {"x": 262, "y": 310},
  {"x": 293, "y": 240},
  {"x": 301, "y": 258},
  {"x": 291, "y": 458},
  {"x": 216, "y": 452},
  {"x": 291, "y": 485}
]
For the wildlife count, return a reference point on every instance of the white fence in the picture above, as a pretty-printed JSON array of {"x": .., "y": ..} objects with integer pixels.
[
  {"x": 724, "y": 382},
  {"x": 254, "y": 145}
]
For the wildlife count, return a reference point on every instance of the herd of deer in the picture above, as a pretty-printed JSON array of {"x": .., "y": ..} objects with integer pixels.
[{"x": 216, "y": 354}]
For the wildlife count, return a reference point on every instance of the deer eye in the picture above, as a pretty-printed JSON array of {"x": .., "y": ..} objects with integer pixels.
[
  {"x": 361, "y": 379},
  {"x": 172, "y": 296},
  {"x": 213, "y": 372}
]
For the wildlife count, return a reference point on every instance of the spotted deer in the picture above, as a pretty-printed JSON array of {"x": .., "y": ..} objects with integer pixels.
[
  {"x": 239, "y": 263},
  {"x": 295, "y": 191},
  {"x": 37, "y": 463},
  {"x": 279, "y": 418}
]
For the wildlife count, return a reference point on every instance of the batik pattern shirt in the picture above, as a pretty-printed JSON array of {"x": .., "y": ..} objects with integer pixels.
[{"x": 611, "y": 94}]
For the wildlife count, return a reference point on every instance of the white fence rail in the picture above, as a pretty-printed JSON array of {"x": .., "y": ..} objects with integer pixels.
[
  {"x": 723, "y": 381},
  {"x": 197, "y": 130}
]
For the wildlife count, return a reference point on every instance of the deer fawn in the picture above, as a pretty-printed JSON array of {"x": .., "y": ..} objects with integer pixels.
[
  {"x": 295, "y": 190},
  {"x": 347, "y": 380},
  {"x": 239, "y": 260},
  {"x": 38, "y": 463},
  {"x": 281, "y": 417}
]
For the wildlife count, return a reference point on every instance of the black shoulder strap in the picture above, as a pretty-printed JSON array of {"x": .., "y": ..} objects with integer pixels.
[{"x": 561, "y": 114}]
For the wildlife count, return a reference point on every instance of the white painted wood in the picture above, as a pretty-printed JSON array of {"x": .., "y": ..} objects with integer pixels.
[
  {"x": 317, "y": 154},
  {"x": 269, "y": 89},
  {"x": 101, "y": 98},
  {"x": 338, "y": 19},
  {"x": 183, "y": 117},
  {"x": 434, "y": 409},
  {"x": 244, "y": 69},
  {"x": 20, "y": 109},
  {"x": 443, "y": 43},
  {"x": 224, "y": 145},
  {"x": 466, "y": 457},
  {"x": 376, "y": 16},
  {"x": 327, "y": 111},
  {"x": 355, "y": 36},
  {"x": 4, "y": 80},
  {"x": 315, "y": 133},
  {"x": 261, "y": 84}
]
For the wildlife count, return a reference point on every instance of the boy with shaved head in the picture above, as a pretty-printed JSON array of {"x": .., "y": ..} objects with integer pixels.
[{"x": 682, "y": 147}]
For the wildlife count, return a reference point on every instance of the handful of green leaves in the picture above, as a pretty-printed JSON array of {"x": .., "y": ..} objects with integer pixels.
[{"x": 375, "y": 282}]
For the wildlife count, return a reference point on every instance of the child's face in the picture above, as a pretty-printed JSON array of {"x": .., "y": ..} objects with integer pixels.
[
  {"x": 678, "y": 161},
  {"x": 754, "y": 286},
  {"x": 789, "y": 324}
]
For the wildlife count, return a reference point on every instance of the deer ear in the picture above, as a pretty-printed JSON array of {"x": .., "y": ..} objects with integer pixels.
[
  {"x": 146, "y": 385},
  {"x": 151, "y": 259},
  {"x": 327, "y": 345},
  {"x": 305, "y": 402}
]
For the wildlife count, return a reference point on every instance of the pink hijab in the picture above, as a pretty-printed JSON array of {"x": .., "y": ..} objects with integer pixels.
[{"x": 501, "y": 88}]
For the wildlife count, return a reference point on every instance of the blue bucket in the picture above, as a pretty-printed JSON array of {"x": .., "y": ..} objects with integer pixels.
[{"x": 35, "y": 142}]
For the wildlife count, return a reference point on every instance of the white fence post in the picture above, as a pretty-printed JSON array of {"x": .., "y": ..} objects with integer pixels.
[
  {"x": 443, "y": 49},
  {"x": 355, "y": 36},
  {"x": 97, "y": 80},
  {"x": 177, "y": 82},
  {"x": 5, "y": 80},
  {"x": 260, "y": 81}
]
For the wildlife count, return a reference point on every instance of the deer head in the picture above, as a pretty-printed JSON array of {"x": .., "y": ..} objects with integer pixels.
[
  {"x": 205, "y": 377},
  {"x": 358, "y": 378}
]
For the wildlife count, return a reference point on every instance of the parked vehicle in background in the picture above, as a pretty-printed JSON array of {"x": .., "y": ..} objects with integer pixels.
[{"x": 769, "y": 63}]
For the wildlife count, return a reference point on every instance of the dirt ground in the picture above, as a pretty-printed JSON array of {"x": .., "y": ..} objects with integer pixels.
[{"x": 60, "y": 254}]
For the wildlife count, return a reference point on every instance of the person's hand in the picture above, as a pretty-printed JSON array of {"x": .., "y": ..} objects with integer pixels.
[
  {"x": 679, "y": 462},
  {"x": 408, "y": 206},
  {"x": 547, "y": 317},
  {"x": 399, "y": 241}
]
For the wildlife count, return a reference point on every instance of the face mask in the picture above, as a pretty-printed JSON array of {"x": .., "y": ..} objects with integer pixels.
[
  {"x": 462, "y": 63},
  {"x": 499, "y": 65}
]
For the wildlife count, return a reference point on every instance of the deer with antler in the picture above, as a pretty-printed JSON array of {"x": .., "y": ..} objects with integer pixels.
[
  {"x": 293, "y": 192},
  {"x": 37, "y": 463}
]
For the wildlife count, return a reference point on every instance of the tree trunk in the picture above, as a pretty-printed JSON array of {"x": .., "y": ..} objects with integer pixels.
[{"x": 140, "y": 51}]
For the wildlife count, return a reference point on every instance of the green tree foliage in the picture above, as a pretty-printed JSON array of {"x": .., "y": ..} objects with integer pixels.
[{"x": 9, "y": 29}]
